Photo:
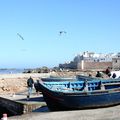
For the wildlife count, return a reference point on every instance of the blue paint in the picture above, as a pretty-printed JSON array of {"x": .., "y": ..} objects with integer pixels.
[{"x": 74, "y": 95}]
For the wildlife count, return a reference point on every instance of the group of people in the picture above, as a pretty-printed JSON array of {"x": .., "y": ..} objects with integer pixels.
[
  {"x": 107, "y": 72},
  {"x": 30, "y": 85}
]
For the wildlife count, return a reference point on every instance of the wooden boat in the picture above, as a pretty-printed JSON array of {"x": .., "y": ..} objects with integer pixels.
[
  {"x": 53, "y": 79},
  {"x": 58, "y": 79},
  {"x": 72, "y": 95},
  {"x": 75, "y": 78}
]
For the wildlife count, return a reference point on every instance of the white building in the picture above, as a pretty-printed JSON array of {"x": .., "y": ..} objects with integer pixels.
[{"x": 95, "y": 57}]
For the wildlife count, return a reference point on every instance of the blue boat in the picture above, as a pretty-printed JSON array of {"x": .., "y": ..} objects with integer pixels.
[
  {"x": 71, "y": 95},
  {"x": 75, "y": 78},
  {"x": 58, "y": 79}
]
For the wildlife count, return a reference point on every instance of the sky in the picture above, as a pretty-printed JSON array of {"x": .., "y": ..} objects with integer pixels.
[{"x": 29, "y": 30}]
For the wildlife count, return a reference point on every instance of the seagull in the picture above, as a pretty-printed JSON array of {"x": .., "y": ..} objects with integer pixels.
[
  {"x": 61, "y": 32},
  {"x": 20, "y": 36}
]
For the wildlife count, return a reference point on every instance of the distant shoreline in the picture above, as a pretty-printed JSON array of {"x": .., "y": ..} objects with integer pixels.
[{"x": 11, "y": 71}]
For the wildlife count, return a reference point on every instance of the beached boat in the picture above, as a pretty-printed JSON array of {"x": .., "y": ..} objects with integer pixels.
[
  {"x": 57, "y": 79},
  {"x": 75, "y": 78},
  {"x": 53, "y": 79},
  {"x": 68, "y": 95}
]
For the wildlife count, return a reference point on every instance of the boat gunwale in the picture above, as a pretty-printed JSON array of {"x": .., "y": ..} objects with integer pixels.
[{"x": 83, "y": 93}]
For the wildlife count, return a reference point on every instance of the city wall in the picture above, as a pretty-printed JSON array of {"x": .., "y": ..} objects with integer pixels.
[{"x": 83, "y": 65}]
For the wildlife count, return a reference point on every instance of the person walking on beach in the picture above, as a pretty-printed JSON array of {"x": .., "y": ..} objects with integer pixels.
[{"x": 30, "y": 83}]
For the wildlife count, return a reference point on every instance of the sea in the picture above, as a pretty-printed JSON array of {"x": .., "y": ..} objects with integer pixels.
[{"x": 11, "y": 71}]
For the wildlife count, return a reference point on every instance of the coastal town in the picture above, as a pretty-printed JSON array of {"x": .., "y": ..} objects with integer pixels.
[
  {"x": 85, "y": 64},
  {"x": 93, "y": 61},
  {"x": 86, "y": 61},
  {"x": 59, "y": 60}
]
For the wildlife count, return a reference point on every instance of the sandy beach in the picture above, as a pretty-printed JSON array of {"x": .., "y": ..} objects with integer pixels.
[{"x": 13, "y": 83}]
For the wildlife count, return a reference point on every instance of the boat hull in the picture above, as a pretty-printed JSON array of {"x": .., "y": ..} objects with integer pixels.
[
  {"x": 72, "y": 101},
  {"x": 72, "y": 95},
  {"x": 81, "y": 102}
]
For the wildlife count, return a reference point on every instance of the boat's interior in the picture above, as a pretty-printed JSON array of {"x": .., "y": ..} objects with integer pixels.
[{"x": 83, "y": 85}]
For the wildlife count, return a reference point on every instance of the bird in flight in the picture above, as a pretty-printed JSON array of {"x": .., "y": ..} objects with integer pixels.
[
  {"x": 20, "y": 36},
  {"x": 61, "y": 32}
]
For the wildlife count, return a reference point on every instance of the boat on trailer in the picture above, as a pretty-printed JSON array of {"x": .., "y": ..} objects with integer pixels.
[{"x": 73, "y": 95}]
